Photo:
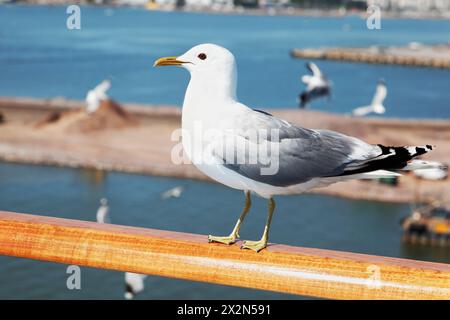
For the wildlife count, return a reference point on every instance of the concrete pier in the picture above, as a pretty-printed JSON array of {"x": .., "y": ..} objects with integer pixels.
[{"x": 413, "y": 55}]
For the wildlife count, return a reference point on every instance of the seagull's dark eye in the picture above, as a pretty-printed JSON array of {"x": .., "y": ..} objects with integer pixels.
[{"x": 202, "y": 56}]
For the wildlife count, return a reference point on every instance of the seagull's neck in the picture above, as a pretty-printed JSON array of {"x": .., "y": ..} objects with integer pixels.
[
  {"x": 207, "y": 101},
  {"x": 208, "y": 94}
]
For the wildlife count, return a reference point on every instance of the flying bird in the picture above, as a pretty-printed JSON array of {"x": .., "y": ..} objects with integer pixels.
[
  {"x": 317, "y": 85},
  {"x": 300, "y": 159},
  {"x": 96, "y": 95},
  {"x": 134, "y": 283},
  {"x": 103, "y": 212},
  {"x": 376, "y": 106}
]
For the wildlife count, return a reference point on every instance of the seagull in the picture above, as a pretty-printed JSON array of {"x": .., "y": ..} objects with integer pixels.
[
  {"x": 103, "y": 212},
  {"x": 96, "y": 95},
  {"x": 317, "y": 85},
  {"x": 300, "y": 159},
  {"x": 172, "y": 193},
  {"x": 376, "y": 106},
  {"x": 134, "y": 283}
]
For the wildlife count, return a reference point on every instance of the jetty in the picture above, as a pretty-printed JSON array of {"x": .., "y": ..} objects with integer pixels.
[
  {"x": 415, "y": 54},
  {"x": 137, "y": 139}
]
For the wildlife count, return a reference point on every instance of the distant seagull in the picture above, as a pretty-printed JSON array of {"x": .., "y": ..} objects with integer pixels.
[
  {"x": 376, "y": 105},
  {"x": 96, "y": 95},
  {"x": 172, "y": 193},
  {"x": 134, "y": 283},
  {"x": 103, "y": 212},
  {"x": 317, "y": 85}
]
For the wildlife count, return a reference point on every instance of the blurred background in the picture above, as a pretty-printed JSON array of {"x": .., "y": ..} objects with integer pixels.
[{"x": 40, "y": 58}]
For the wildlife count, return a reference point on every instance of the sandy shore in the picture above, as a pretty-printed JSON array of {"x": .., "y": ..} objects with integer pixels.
[{"x": 58, "y": 132}]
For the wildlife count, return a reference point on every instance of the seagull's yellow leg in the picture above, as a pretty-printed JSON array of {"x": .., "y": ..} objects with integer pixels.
[
  {"x": 261, "y": 244},
  {"x": 235, "y": 233}
]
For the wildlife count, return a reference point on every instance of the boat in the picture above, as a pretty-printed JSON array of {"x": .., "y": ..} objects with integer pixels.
[
  {"x": 438, "y": 173},
  {"x": 428, "y": 224}
]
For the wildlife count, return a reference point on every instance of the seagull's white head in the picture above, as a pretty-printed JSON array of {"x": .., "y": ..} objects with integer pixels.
[{"x": 212, "y": 69}]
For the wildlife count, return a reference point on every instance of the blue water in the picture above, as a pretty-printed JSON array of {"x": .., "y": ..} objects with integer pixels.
[
  {"x": 307, "y": 220},
  {"x": 40, "y": 57}
]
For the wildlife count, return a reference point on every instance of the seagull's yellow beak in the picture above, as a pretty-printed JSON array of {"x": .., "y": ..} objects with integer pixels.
[{"x": 168, "y": 61}]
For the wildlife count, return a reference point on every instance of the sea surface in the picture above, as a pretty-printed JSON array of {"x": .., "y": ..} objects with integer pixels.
[{"x": 40, "y": 57}]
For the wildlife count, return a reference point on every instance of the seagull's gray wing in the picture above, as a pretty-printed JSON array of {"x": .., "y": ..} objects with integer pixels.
[{"x": 300, "y": 154}]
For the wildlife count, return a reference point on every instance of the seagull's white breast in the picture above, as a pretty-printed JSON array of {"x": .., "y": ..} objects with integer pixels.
[{"x": 203, "y": 129}]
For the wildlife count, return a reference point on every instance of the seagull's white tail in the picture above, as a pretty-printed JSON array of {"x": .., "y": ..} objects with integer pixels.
[
  {"x": 380, "y": 174},
  {"x": 412, "y": 165}
]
